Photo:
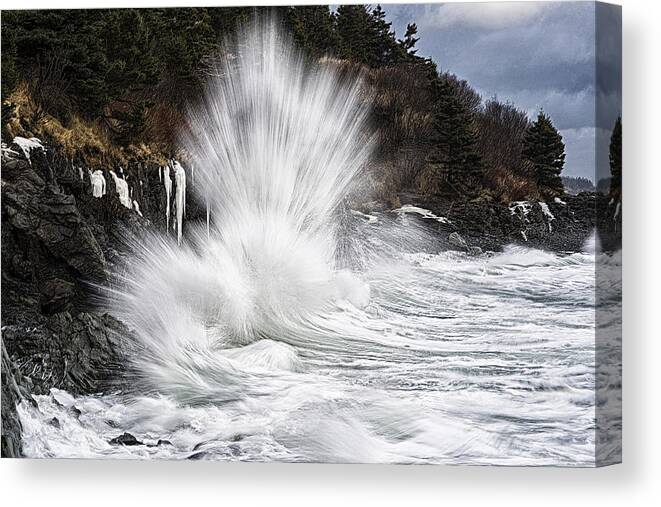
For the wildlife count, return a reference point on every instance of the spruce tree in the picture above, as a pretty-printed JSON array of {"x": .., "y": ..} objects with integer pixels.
[
  {"x": 410, "y": 40},
  {"x": 543, "y": 147},
  {"x": 313, "y": 29},
  {"x": 615, "y": 157},
  {"x": 453, "y": 159},
  {"x": 365, "y": 35}
]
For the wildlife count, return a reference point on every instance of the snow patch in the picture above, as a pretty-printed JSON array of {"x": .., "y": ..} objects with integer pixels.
[
  {"x": 547, "y": 213},
  {"x": 424, "y": 213},
  {"x": 136, "y": 207},
  {"x": 27, "y": 145},
  {"x": 521, "y": 209},
  {"x": 557, "y": 200},
  {"x": 371, "y": 219}
]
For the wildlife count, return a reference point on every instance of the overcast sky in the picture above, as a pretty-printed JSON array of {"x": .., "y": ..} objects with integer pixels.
[{"x": 534, "y": 54}]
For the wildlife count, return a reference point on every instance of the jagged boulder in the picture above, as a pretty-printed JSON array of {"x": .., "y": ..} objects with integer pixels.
[
  {"x": 79, "y": 354},
  {"x": 457, "y": 241}
]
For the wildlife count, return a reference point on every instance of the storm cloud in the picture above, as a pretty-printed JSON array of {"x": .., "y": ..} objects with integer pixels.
[{"x": 537, "y": 55}]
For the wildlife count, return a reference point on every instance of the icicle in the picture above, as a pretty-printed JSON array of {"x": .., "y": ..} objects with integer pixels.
[
  {"x": 168, "y": 191},
  {"x": 98, "y": 183},
  {"x": 81, "y": 173},
  {"x": 180, "y": 196},
  {"x": 136, "y": 207},
  {"x": 122, "y": 190}
]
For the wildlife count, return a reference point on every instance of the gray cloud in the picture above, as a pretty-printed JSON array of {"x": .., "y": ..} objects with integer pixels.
[{"x": 534, "y": 54}]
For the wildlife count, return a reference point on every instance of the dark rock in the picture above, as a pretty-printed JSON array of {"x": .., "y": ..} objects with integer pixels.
[
  {"x": 457, "y": 241},
  {"x": 125, "y": 439},
  {"x": 491, "y": 225},
  {"x": 11, "y": 446},
  {"x": 75, "y": 411},
  {"x": 163, "y": 442},
  {"x": 474, "y": 250},
  {"x": 55, "y": 422},
  {"x": 80, "y": 354},
  {"x": 57, "y": 243},
  {"x": 198, "y": 455},
  {"x": 57, "y": 295}
]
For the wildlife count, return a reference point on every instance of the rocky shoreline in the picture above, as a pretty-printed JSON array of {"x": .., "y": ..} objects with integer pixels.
[{"x": 59, "y": 239}]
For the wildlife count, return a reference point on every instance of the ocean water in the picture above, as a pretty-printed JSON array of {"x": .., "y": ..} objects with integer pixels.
[
  {"x": 455, "y": 359},
  {"x": 287, "y": 330}
]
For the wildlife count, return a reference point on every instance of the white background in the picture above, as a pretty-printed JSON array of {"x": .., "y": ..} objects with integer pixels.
[{"x": 636, "y": 482}]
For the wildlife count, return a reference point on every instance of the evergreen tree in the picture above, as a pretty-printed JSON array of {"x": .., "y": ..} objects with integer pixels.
[
  {"x": 543, "y": 147},
  {"x": 313, "y": 29},
  {"x": 365, "y": 35},
  {"x": 410, "y": 40},
  {"x": 453, "y": 159},
  {"x": 615, "y": 157}
]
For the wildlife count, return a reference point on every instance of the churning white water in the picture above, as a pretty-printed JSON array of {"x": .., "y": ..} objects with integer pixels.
[{"x": 293, "y": 331}]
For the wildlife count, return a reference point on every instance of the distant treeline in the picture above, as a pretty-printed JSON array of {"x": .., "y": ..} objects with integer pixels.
[
  {"x": 577, "y": 184},
  {"x": 131, "y": 72}
]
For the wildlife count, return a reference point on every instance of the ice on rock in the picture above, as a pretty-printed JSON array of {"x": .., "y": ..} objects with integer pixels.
[
  {"x": 424, "y": 213},
  {"x": 167, "y": 183},
  {"x": 27, "y": 145},
  {"x": 180, "y": 196},
  {"x": 98, "y": 183},
  {"x": 547, "y": 213},
  {"x": 521, "y": 209},
  {"x": 122, "y": 187}
]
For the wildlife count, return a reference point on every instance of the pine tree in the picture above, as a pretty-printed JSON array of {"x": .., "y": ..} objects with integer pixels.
[
  {"x": 615, "y": 157},
  {"x": 313, "y": 29},
  {"x": 543, "y": 147},
  {"x": 365, "y": 35},
  {"x": 453, "y": 161},
  {"x": 410, "y": 40}
]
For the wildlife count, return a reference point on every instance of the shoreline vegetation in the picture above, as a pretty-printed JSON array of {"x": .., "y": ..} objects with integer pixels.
[
  {"x": 109, "y": 88},
  {"x": 92, "y": 101}
]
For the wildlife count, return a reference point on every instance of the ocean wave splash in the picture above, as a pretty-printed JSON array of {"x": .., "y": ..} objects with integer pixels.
[{"x": 288, "y": 332}]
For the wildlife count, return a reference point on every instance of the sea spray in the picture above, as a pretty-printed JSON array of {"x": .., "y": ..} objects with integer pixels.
[{"x": 277, "y": 143}]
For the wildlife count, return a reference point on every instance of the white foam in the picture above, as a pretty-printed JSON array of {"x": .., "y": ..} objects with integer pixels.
[{"x": 372, "y": 219}]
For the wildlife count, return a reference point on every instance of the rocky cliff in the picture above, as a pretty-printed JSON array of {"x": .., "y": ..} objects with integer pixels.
[{"x": 64, "y": 226}]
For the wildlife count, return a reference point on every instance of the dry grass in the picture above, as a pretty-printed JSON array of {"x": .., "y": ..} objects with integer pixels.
[
  {"x": 83, "y": 140},
  {"x": 509, "y": 187}
]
